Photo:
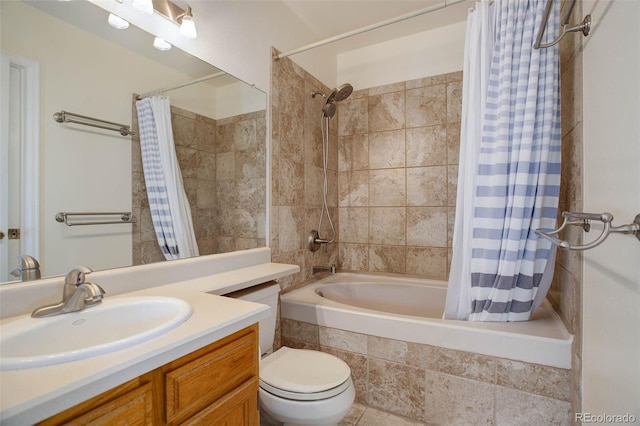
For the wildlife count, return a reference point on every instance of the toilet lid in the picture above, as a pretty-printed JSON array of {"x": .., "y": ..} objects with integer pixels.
[{"x": 303, "y": 371}]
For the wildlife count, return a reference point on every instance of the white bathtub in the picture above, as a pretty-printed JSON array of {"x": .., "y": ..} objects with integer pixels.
[{"x": 410, "y": 310}]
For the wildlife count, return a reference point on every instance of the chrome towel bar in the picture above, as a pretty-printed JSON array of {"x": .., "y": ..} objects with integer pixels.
[
  {"x": 70, "y": 117},
  {"x": 123, "y": 217},
  {"x": 584, "y": 220},
  {"x": 584, "y": 27}
]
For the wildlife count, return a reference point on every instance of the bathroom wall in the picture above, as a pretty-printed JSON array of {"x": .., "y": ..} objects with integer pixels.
[
  {"x": 611, "y": 280},
  {"x": 223, "y": 171},
  {"x": 297, "y": 173},
  {"x": 398, "y": 156}
]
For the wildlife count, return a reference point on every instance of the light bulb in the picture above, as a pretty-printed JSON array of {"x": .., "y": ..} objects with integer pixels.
[
  {"x": 160, "y": 44},
  {"x": 144, "y": 6},
  {"x": 188, "y": 27},
  {"x": 117, "y": 22}
]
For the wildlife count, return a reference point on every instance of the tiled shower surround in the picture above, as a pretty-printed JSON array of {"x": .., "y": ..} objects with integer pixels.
[
  {"x": 224, "y": 175},
  {"x": 397, "y": 176},
  {"x": 396, "y": 173}
]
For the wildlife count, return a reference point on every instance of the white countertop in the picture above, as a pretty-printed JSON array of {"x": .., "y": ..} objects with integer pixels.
[{"x": 34, "y": 394}]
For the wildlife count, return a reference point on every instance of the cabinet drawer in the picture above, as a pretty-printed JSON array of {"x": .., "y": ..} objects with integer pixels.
[{"x": 191, "y": 387}]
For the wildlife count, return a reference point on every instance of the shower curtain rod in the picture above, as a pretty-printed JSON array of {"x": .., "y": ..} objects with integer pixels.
[
  {"x": 361, "y": 30},
  {"x": 189, "y": 83}
]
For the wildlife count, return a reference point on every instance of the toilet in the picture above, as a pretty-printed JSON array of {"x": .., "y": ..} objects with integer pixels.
[{"x": 297, "y": 386}]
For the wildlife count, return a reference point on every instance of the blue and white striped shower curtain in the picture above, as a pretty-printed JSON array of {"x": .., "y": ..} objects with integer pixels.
[
  {"x": 170, "y": 211},
  {"x": 507, "y": 268}
]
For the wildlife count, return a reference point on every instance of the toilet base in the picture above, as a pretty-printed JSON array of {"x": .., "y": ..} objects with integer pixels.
[{"x": 325, "y": 412}]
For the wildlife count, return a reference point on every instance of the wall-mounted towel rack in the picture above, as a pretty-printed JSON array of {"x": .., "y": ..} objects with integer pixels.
[
  {"x": 70, "y": 117},
  {"x": 584, "y": 220},
  {"x": 584, "y": 26},
  {"x": 122, "y": 217}
]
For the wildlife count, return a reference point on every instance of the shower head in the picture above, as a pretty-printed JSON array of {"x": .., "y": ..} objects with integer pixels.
[
  {"x": 329, "y": 109},
  {"x": 340, "y": 93}
]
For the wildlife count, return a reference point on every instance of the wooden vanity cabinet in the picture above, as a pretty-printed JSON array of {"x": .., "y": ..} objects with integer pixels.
[{"x": 215, "y": 385}]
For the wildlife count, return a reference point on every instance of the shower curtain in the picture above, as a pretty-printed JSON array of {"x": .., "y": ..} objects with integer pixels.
[
  {"x": 509, "y": 178},
  {"x": 168, "y": 202}
]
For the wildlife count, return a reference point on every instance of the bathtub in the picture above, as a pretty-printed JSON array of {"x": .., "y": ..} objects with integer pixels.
[{"x": 411, "y": 309}]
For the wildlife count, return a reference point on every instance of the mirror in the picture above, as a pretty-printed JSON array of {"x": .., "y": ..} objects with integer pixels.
[{"x": 89, "y": 68}]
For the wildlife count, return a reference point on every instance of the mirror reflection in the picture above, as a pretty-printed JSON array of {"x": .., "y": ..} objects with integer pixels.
[{"x": 89, "y": 68}]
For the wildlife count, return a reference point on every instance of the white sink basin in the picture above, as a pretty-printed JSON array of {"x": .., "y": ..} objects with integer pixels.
[{"x": 114, "y": 324}]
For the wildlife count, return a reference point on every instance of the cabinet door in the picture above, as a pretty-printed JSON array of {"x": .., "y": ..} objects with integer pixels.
[
  {"x": 202, "y": 378},
  {"x": 128, "y": 404},
  {"x": 238, "y": 408}
]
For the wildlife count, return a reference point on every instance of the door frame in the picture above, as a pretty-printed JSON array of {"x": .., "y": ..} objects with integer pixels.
[{"x": 29, "y": 153}]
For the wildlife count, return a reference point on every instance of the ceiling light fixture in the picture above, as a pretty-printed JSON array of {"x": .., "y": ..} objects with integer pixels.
[
  {"x": 117, "y": 22},
  {"x": 188, "y": 26},
  {"x": 160, "y": 44},
  {"x": 181, "y": 17},
  {"x": 144, "y": 6}
]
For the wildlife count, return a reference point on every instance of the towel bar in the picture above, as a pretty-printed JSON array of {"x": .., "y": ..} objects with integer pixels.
[{"x": 584, "y": 220}]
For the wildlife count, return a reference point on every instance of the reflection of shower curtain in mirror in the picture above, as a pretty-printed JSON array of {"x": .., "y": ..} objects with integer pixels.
[{"x": 168, "y": 201}]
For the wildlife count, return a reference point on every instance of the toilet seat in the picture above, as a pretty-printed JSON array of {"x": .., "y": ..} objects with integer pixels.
[{"x": 304, "y": 375}]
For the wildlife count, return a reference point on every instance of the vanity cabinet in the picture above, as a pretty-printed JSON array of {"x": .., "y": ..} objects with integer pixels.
[{"x": 215, "y": 385}]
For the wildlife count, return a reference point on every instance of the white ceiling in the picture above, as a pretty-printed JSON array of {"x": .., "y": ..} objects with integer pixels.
[{"x": 327, "y": 18}]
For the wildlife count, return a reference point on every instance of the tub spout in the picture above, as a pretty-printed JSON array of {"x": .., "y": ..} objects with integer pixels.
[{"x": 331, "y": 269}]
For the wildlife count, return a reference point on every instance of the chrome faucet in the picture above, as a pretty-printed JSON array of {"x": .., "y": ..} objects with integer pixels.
[
  {"x": 28, "y": 270},
  {"x": 76, "y": 295},
  {"x": 316, "y": 269}
]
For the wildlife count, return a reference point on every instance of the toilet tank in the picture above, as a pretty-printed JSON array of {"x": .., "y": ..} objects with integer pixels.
[{"x": 267, "y": 294}]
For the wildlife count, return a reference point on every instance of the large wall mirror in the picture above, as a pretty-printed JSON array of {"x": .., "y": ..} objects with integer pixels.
[{"x": 87, "y": 67}]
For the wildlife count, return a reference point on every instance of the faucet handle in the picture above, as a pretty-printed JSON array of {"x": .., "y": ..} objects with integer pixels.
[{"x": 76, "y": 276}]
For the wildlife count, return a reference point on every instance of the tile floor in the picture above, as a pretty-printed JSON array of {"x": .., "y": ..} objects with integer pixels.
[{"x": 362, "y": 415}]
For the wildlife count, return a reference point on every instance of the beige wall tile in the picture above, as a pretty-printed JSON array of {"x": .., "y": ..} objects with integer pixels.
[
  {"x": 426, "y": 146},
  {"x": 453, "y": 143},
  {"x": 387, "y": 225},
  {"x": 353, "y": 188},
  {"x": 387, "y": 149},
  {"x": 426, "y": 81},
  {"x": 429, "y": 262},
  {"x": 353, "y": 117},
  {"x": 343, "y": 340},
  {"x": 396, "y": 388},
  {"x": 359, "y": 365},
  {"x": 426, "y": 106},
  {"x": 521, "y": 408},
  {"x": 354, "y": 257},
  {"x": 301, "y": 331},
  {"x": 427, "y": 186},
  {"x": 533, "y": 378},
  {"x": 354, "y": 224},
  {"x": 387, "y": 187},
  {"x": 386, "y": 112},
  {"x": 463, "y": 364},
  {"x": 397, "y": 351},
  {"x": 353, "y": 152},
  {"x": 427, "y": 226},
  {"x": 452, "y": 400},
  {"x": 388, "y": 259},
  {"x": 454, "y": 102},
  {"x": 291, "y": 236}
]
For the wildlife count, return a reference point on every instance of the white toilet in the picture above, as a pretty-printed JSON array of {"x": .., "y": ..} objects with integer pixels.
[{"x": 298, "y": 386}]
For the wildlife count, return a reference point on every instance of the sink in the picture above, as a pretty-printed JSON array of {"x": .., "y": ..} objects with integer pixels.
[{"x": 115, "y": 324}]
